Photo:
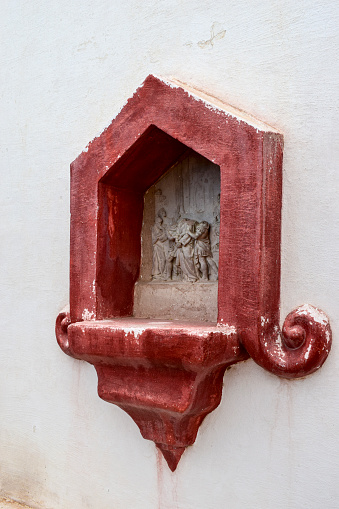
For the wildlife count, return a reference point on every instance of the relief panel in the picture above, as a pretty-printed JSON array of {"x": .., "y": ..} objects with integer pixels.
[
  {"x": 180, "y": 243},
  {"x": 184, "y": 209}
]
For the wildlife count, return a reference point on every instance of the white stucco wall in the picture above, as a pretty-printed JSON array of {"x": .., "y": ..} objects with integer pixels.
[{"x": 67, "y": 67}]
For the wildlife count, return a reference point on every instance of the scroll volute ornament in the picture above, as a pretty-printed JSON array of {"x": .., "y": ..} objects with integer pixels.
[{"x": 167, "y": 375}]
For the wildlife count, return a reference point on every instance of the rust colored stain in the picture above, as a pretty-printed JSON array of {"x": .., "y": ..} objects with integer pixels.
[{"x": 168, "y": 377}]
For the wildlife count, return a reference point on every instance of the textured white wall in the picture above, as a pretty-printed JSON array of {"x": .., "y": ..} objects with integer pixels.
[{"x": 67, "y": 68}]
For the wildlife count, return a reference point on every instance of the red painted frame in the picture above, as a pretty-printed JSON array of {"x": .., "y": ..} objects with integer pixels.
[{"x": 137, "y": 361}]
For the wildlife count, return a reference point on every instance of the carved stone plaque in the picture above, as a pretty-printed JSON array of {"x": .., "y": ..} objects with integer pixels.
[
  {"x": 181, "y": 223},
  {"x": 180, "y": 243}
]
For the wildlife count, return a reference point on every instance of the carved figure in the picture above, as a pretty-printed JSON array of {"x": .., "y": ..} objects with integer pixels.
[
  {"x": 205, "y": 265},
  {"x": 172, "y": 255},
  {"x": 162, "y": 212},
  {"x": 185, "y": 249},
  {"x": 182, "y": 251},
  {"x": 159, "y": 237},
  {"x": 162, "y": 252}
]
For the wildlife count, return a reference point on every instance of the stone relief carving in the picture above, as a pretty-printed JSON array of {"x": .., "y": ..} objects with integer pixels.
[{"x": 182, "y": 250}]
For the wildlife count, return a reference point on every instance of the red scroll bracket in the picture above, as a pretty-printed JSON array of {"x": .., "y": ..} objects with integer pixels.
[{"x": 299, "y": 349}]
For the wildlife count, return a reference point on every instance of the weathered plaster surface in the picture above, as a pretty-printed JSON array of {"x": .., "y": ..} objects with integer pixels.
[
  {"x": 175, "y": 301},
  {"x": 69, "y": 69}
]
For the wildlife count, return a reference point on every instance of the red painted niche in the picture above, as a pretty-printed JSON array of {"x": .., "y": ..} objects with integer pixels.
[{"x": 167, "y": 374}]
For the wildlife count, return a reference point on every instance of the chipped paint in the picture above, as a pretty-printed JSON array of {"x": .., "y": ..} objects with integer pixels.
[
  {"x": 315, "y": 313},
  {"x": 88, "y": 315},
  {"x": 307, "y": 353},
  {"x": 218, "y": 106}
]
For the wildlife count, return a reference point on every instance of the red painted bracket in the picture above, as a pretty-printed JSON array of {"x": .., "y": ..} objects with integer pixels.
[{"x": 168, "y": 375}]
